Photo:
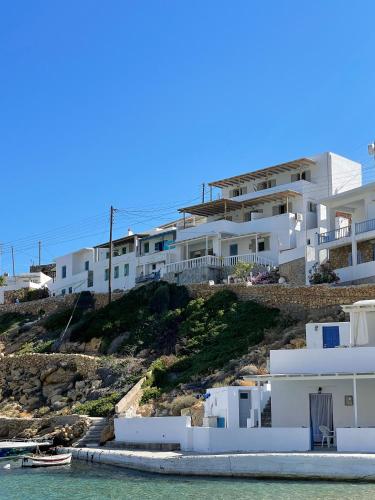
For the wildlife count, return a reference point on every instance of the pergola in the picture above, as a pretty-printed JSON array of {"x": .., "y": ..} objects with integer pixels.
[
  {"x": 237, "y": 180},
  {"x": 225, "y": 205}
]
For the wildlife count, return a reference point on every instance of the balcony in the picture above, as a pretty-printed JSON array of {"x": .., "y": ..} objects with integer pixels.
[
  {"x": 144, "y": 278},
  {"x": 336, "y": 234},
  {"x": 218, "y": 262},
  {"x": 365, "y": 226}
]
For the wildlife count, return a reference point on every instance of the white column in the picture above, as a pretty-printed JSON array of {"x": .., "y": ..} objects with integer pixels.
[
  {"x": 355, "y": 406},
  {"x": 206, "y": 245},
  {"x": 259, "y": 405}
]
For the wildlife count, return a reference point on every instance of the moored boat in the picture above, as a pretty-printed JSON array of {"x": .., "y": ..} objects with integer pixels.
[{"x": 38, "y": 460}]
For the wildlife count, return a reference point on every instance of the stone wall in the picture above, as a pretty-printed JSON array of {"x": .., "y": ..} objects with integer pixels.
[
  {"x": 366, "y": 250},
  {"x": 289, "y": 297},
  {"x": 339, "y": 257},
  {"x": 294, "y": 271},
  {"x": 54, "y": 304},
  {"x": 194, "y": 275}
]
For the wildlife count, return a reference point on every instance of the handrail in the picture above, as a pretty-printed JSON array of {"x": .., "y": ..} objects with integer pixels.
[
  {"x": 216, "y": 261},
  {"x": 336, "y": 234},
  {"x": 365, "y": 226}
]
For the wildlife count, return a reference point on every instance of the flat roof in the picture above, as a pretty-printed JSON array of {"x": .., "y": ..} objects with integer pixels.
[
  {"x": 258, "y": 174},
  {"x": 349, "y": 193},
  {"x": 310, "y": 376},
  {"x": 227, "y": 204},
  {"x": 119, "y": 241}
]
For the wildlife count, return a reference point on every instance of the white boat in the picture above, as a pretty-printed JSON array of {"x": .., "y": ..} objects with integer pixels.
[
  {"x": 16, "y": 447},
  {"x": 46, "y": 460}
]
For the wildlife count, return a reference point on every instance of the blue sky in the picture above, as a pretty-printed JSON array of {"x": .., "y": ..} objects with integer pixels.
[{"x": 136, "y": 104}]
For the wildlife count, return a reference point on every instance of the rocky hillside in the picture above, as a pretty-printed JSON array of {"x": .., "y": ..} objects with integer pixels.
[{"x": 181, "y": 344}]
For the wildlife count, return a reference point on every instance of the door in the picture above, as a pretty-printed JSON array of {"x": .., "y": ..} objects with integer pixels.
[
  {"x": 331, "y": 336},
  {"x": 233, "y": 249},
  {"x": 244, "y": 407},
  {"x": 321, "y": 413}
]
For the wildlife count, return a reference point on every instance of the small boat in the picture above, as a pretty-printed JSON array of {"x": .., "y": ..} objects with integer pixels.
[{"x": 38, "y": 460}]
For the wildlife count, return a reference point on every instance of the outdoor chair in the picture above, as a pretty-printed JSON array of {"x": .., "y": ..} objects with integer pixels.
[{"x": 327, "y": 435}]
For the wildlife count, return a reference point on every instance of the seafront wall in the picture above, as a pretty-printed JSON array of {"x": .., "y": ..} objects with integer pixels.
[{"x": 332, "y": 466}]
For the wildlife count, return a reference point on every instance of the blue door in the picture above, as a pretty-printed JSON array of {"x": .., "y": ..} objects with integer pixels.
[{"x": 331, "y": 336}]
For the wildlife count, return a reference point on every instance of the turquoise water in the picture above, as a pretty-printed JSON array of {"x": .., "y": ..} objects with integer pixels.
[{"x": 90, "y": 481}]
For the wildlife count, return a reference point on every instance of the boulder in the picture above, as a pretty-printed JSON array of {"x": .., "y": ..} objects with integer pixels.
[{"x": 59, "y": 376}]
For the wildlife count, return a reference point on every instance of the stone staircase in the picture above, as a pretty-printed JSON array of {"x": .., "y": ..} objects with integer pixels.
[
  {"x": 93, "y": 435},
  {"x": 266, "y": 415}
]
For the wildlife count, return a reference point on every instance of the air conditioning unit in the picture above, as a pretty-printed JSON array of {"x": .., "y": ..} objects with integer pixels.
[{"x": 298, "y": 216}]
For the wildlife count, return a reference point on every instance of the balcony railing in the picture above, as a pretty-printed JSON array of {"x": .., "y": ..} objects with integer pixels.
[
  {"x": 336, "y": 234},
  {"x": 215, "y": 261},
  {"x": 365, "y": 226},
  {"x": 143, "y": 278}
]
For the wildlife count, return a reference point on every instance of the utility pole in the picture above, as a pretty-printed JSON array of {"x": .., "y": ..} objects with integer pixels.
[
  {"x": 203, "y": 188},
  {"x": 39, "y": 252},
  {"x": 14, "y": 273},
  {"x": 111, "y": 217}
]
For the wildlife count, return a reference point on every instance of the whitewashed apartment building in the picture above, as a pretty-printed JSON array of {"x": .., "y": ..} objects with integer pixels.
[{"x": 269, "y": 217}]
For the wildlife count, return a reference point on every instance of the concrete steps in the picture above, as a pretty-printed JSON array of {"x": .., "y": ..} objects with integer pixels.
[
  {"x": 93, "y": 435},
  {"x": 267, "y": 415}
]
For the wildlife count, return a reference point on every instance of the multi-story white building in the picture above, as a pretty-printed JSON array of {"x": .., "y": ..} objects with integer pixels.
[
  {"x": 346, "y": 235},
  {"x": 266, "y": 217},
  {"x": 269, "y": 217},
  {"x": 136, "y": 258}
]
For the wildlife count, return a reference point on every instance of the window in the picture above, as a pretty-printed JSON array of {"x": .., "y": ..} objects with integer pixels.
[
  {"x": 305, "y": 176},
  {"x": 107, "y": 255},
  {"x": 63, "y": 291},
  {"x": 146, "y": 247},
  {"x": 116, "y": 272},
  {"x": 87, "y": 265},
  {"x": 233, "y": 249},
  {"x": 238, "y": 192},
  {"x": 106, "y": 274},
  {"x": 159, "y": 246},
  {"x": 124, "y": 250},
  {"x": 70, "y": 289},
  {"x": 265, "y": 184},
  {"x": 244, "y": 395},
  {"x": 126, "y": 269},
  {"x": 311, "y": 207},
  {"x": 63, "y": 272},
  {"x": 264, "y": 244},
  {"x": 282, "y": 209},
  {"x": 116, "y": 252},
  {"x": 153, "y": 267}
]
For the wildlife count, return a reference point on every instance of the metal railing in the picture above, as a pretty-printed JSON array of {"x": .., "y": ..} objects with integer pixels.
[
  {"x": 154, "y": 276},
  {"x": 336, "y": 234},
  {"x": 215, "y": 261},
  {"x": 365, "y": 226}
]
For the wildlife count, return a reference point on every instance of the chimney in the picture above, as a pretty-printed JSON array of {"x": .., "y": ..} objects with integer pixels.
[{"x": 130, "y": 232}]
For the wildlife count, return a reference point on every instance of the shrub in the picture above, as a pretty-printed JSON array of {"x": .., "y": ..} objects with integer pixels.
[
  {"x": 102, "y": 407},
  {"x": 181, "y": 402},
  {"x": 322, "y": 273},
  {"x": 266, "y": 277},
  {"x": 149, "y": 393},
  {"x": 242, "y": 270}
]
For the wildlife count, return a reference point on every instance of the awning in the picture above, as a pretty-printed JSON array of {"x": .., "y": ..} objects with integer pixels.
[
  {"x": 226, "y": 205},
  {"x": 264, "y": 172}
]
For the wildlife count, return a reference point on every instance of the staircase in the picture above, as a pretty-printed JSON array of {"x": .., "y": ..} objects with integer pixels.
[
  {"x": 92, "y": 436},
  {"x": 266, "y": 415}
]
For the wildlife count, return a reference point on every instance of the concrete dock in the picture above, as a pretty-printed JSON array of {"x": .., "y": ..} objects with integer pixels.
[{"x": 326, "y": 466}]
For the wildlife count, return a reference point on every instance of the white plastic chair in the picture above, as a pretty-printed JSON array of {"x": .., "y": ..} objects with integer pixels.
[{"x": 327, "y": 435}]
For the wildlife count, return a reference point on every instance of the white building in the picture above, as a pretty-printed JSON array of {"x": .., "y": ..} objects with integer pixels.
[
  {"x": 29, "y": 281},
  {"x": 136, "y": 258},
  {"x": 326, "y": 390},
  {"x": 346, "y": 235},
  {"x": 266, "y": 217}
]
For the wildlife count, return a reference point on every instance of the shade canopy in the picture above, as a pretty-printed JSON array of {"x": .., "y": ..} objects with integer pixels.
[{"x": 264, "y": 172}]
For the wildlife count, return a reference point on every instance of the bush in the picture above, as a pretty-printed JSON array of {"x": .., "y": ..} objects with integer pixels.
[
  {"x": 266, "y": 277},
  {"x": 181, "y": 402},
  {"x": 59, "y": 320},
  {"x": 149, "y": 393},
  {"x": 102, "y": 407},
  {"x": 322, "y": 273},
  {"x": 7, "y": 320},
  {"x": 242, "y": 270}
]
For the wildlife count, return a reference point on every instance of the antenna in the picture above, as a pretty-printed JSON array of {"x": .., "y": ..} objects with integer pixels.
[{"x": 371, "y": 149}]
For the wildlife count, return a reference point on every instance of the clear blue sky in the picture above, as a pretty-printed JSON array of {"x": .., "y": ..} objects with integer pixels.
[{"x": 136, "y": 103}]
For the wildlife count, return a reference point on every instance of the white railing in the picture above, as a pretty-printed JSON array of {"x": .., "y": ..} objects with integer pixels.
[
  {"x": 251, "y": 258},
  {"x": 214, "y": 261},
  {"x": 206, "y": 260}
]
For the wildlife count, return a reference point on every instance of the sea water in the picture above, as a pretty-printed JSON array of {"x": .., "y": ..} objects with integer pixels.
[{"x": 92, "y": 481}]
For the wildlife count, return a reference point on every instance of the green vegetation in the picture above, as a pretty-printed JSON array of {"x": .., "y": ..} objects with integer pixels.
[
  {"x": 59, "y": 319},
  {"x": 102, "y": 407},
  {"x": 243, "y": 269},
  {"x": 7, "y": 320}
]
